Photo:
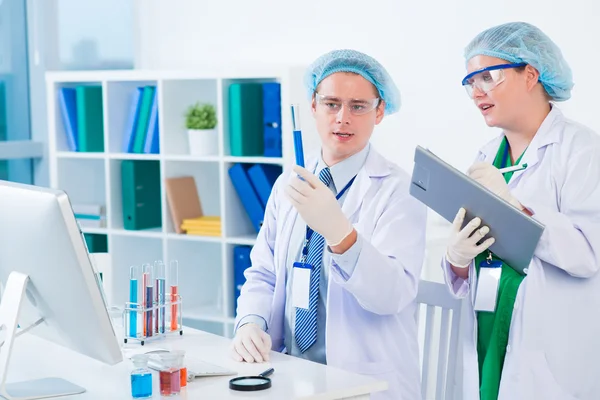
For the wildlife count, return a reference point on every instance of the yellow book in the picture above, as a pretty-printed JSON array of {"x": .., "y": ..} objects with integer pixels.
[
  {"x": 207, "y": 219},
  {"x": 208, "y": 222},
  {"x": 187, "y": 227},
  {"x": 199, "y": 226},
  {"x": 204, "y": 233}
]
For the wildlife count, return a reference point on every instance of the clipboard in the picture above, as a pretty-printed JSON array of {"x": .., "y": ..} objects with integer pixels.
[{"x": 445, "y": 190}]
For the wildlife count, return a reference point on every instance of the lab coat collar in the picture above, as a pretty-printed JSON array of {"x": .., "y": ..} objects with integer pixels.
[
  {"x": 545, "y": 136},
  {"x": 345, "y": 170},
  {"x": 375, "y": 166}
]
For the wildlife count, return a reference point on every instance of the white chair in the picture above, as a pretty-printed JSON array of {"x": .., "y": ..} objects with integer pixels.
[{"x": 432, "y": 296}]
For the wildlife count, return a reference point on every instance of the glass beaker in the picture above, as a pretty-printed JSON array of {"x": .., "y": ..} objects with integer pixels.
[
  {"x": 170, "y": 375},
  {"x": 183, "y": 369},
  {"x": 141, "y": 377}
]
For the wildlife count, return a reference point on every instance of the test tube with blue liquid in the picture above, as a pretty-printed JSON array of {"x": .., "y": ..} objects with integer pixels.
[
  {"x": 148, "y": 284},
  {"x": 160, "y": 275},
  {"x": 134, "y": 284},
  {"x": 297, "y": 135}
]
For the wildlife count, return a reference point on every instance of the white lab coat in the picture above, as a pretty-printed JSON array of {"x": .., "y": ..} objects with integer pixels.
[
  {"x": 371, "y": 326},
  {"x": 553, "y": 350}
]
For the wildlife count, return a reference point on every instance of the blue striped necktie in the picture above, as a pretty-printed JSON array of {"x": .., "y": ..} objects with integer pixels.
[{"x": 306, "y": 320}]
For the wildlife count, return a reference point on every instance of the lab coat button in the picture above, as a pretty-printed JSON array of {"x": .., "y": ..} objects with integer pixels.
[
  {"x": 516, "y": 304},
  {"x": 508, "y": 348}
]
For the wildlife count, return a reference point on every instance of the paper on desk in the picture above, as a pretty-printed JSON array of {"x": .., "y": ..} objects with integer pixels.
[{"x": 132, "y": 351}]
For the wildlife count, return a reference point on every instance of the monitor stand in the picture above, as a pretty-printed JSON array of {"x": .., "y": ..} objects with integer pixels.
[{"x": 10, "y": 306}]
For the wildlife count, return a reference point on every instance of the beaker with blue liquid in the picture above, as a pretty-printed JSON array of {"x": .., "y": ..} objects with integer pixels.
[{"x": 141, "y": 377}]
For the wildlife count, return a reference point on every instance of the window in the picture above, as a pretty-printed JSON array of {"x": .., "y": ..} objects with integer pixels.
[
  {"x": 85, "y": 43},
  {"x": 14, "y": 93},
  {"x": 67, "y": 35}
]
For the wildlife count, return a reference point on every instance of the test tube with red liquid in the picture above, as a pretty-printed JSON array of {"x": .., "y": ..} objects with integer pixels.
[{"x": 174, "y": 290}]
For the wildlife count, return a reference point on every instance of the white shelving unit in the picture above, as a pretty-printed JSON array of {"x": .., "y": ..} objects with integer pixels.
[{"x": 205, "y": 263}]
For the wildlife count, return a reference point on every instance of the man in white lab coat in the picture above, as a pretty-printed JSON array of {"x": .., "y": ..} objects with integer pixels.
[
  {"x": 346, "y": 296},
  {"x": 543, "y": 339}
]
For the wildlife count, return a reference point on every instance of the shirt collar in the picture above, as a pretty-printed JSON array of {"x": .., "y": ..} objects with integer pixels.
[
  {"x": 545, "y": 135},
  {"x": 345, "y": 170}
]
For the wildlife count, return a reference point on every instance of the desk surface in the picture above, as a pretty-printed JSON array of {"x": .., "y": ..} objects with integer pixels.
[{"x": 294, "y": 378}]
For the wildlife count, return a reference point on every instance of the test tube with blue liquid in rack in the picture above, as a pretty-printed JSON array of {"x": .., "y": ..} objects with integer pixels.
[
  {"x": 134, "y": 285},
  {"x": 298, "y": 149},
  {"x": 160, "y": 275},
  {"x": 154, "y": 306}
]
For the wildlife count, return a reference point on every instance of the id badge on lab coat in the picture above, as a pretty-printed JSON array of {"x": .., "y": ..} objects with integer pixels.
[
  {"x": 488, "y": 282},
  {"x": 301, "y": 285}
]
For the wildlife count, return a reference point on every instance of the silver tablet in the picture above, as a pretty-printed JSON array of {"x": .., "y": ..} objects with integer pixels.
[{"x": 445, "y": 190}]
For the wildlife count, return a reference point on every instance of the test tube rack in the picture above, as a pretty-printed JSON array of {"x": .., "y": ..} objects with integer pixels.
[{"x": 141, "y": 314}]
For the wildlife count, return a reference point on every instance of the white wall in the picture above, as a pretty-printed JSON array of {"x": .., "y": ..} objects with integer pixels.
[
  {"x": 95, "y": 34},
  {"x": 420, "y": 43}
]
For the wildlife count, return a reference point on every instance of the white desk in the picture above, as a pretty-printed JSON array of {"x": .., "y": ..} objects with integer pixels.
[{"x": 294, "y": 378}]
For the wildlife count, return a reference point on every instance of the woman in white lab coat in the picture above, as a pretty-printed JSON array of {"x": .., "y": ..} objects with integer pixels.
[
  {"x": 543, "y": 339},
  {"x": 358, "y": 311}
]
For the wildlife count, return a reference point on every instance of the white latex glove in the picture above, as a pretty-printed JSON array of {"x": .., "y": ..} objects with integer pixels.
[
  {"x": 318, "y": 207},
  {"x": 251, "y": 344},
  {"x": 491, "y": 177},
  {"x": 462, "y": 245}
]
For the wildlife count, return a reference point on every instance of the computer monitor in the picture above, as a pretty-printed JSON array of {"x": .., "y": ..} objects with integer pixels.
[{"x": 50, "y": 287}]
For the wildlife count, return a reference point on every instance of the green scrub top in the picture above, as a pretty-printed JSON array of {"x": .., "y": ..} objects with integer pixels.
[{"x": 494, "y": 327}]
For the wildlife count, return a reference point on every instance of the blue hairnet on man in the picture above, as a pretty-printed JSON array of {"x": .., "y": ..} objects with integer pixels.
[{"x": 360, "y": 64}]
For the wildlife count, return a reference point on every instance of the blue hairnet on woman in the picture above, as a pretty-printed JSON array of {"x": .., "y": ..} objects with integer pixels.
[{"x": 520, "y": 42}]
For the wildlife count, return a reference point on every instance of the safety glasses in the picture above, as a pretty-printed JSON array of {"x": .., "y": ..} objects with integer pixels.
[
  {"x": 486, "y": 79},
  {"x": 333, "y": 104}
]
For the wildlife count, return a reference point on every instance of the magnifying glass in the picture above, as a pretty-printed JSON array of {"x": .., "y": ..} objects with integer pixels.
[{"x": 252, "y": 383}]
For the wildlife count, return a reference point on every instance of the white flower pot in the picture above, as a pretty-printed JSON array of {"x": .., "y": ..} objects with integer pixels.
[{"x": 203, "y": 142}]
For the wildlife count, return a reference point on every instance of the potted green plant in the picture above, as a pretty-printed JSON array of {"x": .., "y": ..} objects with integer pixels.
[{"x": 201, "y": 122}]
